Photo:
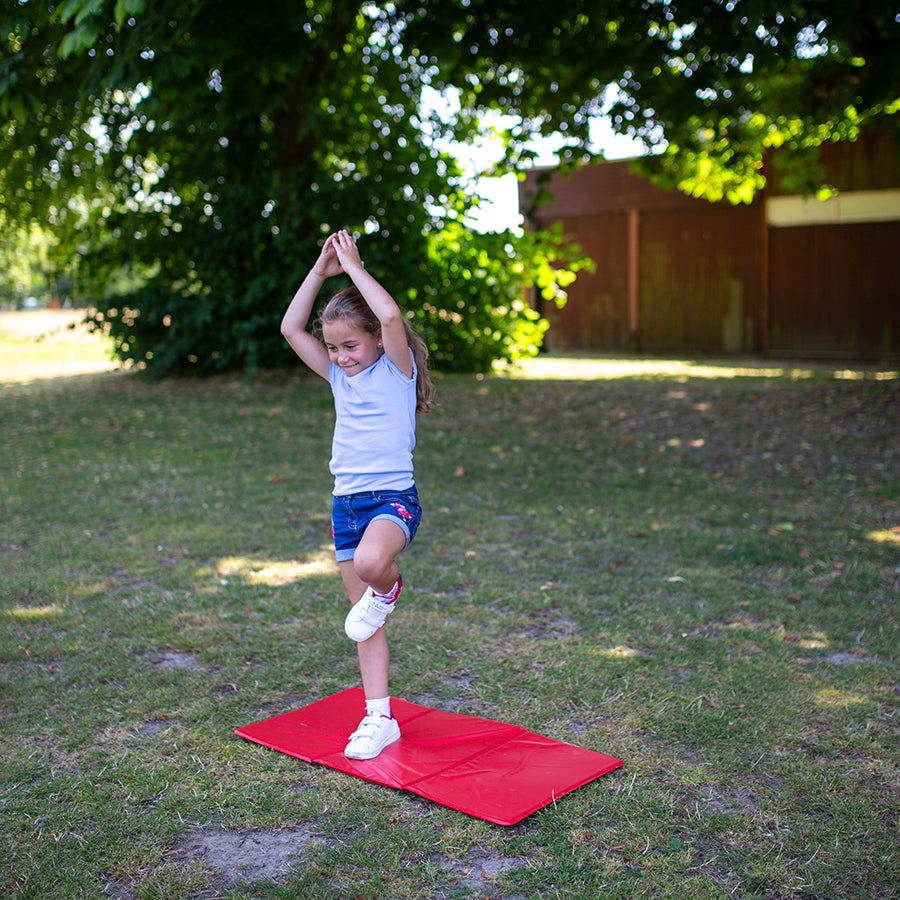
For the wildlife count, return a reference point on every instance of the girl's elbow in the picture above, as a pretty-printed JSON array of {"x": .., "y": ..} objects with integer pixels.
[{"x": 391, "y": 318}]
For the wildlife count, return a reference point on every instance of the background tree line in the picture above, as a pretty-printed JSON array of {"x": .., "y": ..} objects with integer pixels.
[{"x": 180, "y": 162}]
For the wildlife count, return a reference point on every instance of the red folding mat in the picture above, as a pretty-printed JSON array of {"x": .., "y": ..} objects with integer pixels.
[{"x": 497, "y": 772}]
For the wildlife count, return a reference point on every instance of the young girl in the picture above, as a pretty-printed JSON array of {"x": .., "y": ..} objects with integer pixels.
[{"x": 377, "y": 367}]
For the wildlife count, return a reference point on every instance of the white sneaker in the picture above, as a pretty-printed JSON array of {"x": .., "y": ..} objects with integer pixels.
[
  {"x": 367, "y": 615},
  {"x": 371, "y": 737}
]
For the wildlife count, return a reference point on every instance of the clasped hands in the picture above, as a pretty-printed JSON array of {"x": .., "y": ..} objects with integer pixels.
[{"x": 339, "y": 254}]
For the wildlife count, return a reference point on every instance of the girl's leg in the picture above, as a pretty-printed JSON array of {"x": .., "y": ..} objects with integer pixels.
[
  {"x": 374, "y": 656},
  {"x": 375, "y": 558},
  {"x": 373, "y": 565}
]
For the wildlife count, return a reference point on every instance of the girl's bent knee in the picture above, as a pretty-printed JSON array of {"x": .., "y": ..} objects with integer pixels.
[{"x": 371, "y": 567}]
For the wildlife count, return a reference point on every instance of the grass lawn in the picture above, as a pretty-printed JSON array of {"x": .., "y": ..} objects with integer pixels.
[{"x": 692, "y": 567}]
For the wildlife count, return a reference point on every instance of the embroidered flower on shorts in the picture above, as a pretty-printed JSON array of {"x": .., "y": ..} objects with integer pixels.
[{"x": 405, "y": 514}]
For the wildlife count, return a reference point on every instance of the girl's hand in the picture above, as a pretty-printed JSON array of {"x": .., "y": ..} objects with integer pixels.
[
  {"x": 328, "y": 263},
  {"x": 347, "y": 251},
  {"x": 393, "y": 327}
]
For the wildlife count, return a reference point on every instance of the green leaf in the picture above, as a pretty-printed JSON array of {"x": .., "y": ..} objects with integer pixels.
[
  {"x": 68, "y": 9},
  {"x": 78, "y": 10},
  {"x": 70, "y": 44},
  {"x": 127, "y": 8}
]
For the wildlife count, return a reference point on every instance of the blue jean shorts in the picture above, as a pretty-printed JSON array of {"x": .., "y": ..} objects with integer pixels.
[{"x": 352, "y": 513}]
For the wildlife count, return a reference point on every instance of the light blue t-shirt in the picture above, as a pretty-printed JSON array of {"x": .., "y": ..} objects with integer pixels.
[{"x": 375, "y": 428}]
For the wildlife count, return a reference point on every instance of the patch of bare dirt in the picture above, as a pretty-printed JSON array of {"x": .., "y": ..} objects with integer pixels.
[
  {"x": 476, "y": 871},
  {"x": 255, "y": 854},
  {"x": 174, "y": 659}
]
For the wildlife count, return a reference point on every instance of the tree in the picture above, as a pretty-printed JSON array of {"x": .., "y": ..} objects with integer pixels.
[
  {"x": 211, "y": 151},
  {"x": 23, "y": 257},
  {"x": 207, "y": 148},
  {"x": 713, "y": 83}
]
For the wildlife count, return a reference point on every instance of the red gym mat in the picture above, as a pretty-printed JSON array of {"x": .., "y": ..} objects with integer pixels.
[{"x": 500, "y": 773}]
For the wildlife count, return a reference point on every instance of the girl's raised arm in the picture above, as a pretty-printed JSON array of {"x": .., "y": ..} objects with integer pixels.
[
  {"x": 393, "y": 332},
  {"x": 296, "y": 318}
]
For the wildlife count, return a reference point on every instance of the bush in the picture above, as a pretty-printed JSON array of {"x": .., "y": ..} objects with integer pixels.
[{"x": 466, "y": 292}]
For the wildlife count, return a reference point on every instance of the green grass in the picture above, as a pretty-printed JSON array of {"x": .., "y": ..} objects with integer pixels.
[{"x": 695, "y": 568}]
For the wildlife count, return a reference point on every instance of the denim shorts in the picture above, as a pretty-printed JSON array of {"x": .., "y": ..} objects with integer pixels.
[{"x": 352, "y": 513}]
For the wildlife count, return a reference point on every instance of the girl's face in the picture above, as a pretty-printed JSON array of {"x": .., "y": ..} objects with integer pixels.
[{"x": 350, "y": 347}]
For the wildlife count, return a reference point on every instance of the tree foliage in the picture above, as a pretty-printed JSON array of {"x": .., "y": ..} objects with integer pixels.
[
  {"x": 198, "y": 151},
  {"x": 716, "y": 83},
  {"x": 210, "y": 151}
]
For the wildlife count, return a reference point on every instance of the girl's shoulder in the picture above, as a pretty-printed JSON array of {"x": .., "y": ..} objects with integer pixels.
[
  {"x": 397, "y": 372},
  {"x": 381, "y": 372}
]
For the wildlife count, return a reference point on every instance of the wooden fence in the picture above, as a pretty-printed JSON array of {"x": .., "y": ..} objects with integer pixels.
[{"x": 680, "y": 275}]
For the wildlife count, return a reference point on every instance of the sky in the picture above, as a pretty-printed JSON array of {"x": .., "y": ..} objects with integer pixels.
[{"x": 499, "y": 206}]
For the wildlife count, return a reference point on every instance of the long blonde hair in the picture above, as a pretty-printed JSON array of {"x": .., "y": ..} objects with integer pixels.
[{"x": 349, "y": 305}]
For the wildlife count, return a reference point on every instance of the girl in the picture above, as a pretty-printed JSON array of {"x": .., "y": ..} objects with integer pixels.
[{"x": 377, "y": 367}]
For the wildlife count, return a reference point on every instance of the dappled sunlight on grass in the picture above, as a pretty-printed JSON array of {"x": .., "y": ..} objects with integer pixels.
[
  {"x": 588, "y": 368},
  {"x": 831, "y": 696},
  {"x": 856, "y": 375},
  {"x": 275, "y": 573},
  {"x": 33, "y": 613},
  {"x": 49, "y": 344},
  {"x": 815, "y": 642},
  {"x": 885, "y": 535},
  {"x": 621, "y": 652}
]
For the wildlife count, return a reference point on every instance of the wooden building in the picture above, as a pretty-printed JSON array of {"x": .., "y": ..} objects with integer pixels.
[{"x": 785, "y": 275}]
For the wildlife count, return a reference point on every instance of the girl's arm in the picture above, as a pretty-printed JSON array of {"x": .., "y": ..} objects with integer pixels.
[
  {"x": 393, "y": 332},
  {"x": 293, "y": 325}
]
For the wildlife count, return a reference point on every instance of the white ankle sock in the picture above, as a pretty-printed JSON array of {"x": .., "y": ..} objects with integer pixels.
[
  {"x": 379, "y": 707},
  {"x": 391, "y": 595}
]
